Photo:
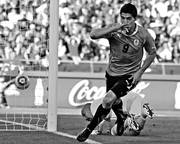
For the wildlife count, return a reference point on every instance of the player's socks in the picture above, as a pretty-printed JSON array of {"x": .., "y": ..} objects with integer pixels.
[
  {"x": 98, "y": 117},
  {"x": 100, "y": 114},
  {"x": 121, "y": 116}
]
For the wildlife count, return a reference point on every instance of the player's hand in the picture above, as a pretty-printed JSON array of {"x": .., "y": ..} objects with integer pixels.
[
  {"x": 118, "y": 26},
  {"x": 125, "y": 28},
  {"x": 136, "y": 78}
]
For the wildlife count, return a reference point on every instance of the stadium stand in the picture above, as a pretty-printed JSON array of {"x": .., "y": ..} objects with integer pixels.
[{"x": 24, "y": 28}]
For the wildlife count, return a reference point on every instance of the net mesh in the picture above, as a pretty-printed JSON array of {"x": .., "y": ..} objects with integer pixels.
[
  {"x": 23, "y": 109},
  {"x": 25, "y": 122}
]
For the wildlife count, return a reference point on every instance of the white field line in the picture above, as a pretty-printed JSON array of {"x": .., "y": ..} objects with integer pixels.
[
  {"x": 25, "y": 125},
  {"x": 67, "y": 111},
  {"x": 89, "y": 141},
  {"x": 74, "y": 112}
]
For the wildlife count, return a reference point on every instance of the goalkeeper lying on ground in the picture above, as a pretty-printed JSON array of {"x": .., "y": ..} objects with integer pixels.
[{"x": 133, "y": 123}]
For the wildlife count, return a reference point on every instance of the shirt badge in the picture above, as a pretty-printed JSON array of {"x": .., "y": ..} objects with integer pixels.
[{"x": 136, "y": 42}]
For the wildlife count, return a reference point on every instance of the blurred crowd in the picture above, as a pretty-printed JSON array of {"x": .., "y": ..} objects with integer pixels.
[
  {"x": 160, "y": 17},
  {"x": 24, "y": 26},
  {"x": 24, "y": 29}
]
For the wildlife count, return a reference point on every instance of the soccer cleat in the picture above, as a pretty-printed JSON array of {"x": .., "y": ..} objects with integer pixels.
[
  {"x": 148, "y": 110},
  {"x": 83, "y": 135}
]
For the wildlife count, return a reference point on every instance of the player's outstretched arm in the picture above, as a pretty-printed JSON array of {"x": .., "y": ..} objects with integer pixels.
[
  {"x": 12, "y": 81},
  {"x": 104, "y": 32}
]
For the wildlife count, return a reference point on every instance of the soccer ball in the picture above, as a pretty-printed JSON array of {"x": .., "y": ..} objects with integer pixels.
[{"x": 22, "y": 81}]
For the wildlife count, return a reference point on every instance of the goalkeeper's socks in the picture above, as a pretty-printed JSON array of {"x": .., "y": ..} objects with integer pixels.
[{"x": 98, "y": 117}]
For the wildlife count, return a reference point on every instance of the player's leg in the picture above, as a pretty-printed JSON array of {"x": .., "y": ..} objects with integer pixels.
[
  {"x": 139, "y": 120},
  {"x": 134, "y": 125},
  {"x": 119, "y": 130},
  {"x": 118, "y": 87},
  {"x": 88, "y": 115},
  {"x": 86, "y": 112},
  {"x": 99, "y": 129},
  {"x": 100, "y": 114},
  {"x": 123, "y": 110},
  {"x": 102, "y": 110},
  {"x": 118, "y": 110},
  {"x": 131, "y": 127},
  {"x": 104, "y": 126},
  {"x": 3, "y": 100},
  {"x": 108, "y": 122}
]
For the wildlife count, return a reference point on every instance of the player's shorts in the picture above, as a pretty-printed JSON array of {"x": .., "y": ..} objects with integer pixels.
[{"x": 120, "y": 85}]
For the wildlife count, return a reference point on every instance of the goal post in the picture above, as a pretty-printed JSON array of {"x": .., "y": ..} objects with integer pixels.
[
  {"x": 53, "y": 64},
  {"x": 33, "y": 56}
]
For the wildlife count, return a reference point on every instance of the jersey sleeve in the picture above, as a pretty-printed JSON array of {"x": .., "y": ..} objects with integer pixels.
[
  {"x": 108, "y": 35},
  {"x": 149, "y": 44}
]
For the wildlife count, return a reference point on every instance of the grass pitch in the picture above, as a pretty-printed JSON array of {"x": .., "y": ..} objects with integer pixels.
[{"x": 159, "y": 130}]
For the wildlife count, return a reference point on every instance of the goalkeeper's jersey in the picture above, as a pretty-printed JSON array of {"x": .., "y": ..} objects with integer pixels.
[{"x": 126, "y": 51}]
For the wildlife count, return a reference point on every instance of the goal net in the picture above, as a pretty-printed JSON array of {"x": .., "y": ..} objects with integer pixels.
[
  {"x": 25, "y": 41},
  {"x": 22, "y": 107}
]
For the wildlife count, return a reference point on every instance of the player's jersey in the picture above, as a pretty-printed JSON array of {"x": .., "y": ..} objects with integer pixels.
[
  {"x": 140, "y": 121},
  {"x": 126, "y": 51}
]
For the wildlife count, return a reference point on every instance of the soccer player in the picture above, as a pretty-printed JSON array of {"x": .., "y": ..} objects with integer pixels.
[
  {"x": 134, "y": 116},
  {"x": 18, "y": 79},
  {"x": 133, "y": 124},
  {"x": 125, "y": 69},
  {"x": 87, "y": 112},
  {"x": 7, "y": 81}
]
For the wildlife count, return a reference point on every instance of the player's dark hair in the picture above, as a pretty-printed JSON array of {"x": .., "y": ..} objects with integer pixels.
[{"x": 129, "y": 8}]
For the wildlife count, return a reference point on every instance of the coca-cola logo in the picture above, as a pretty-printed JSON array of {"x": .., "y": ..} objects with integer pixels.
[{"x": 83, "y": 93}]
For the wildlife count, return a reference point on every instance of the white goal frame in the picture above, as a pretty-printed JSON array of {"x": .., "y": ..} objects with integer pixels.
[{"x": 53, "y": 65}]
